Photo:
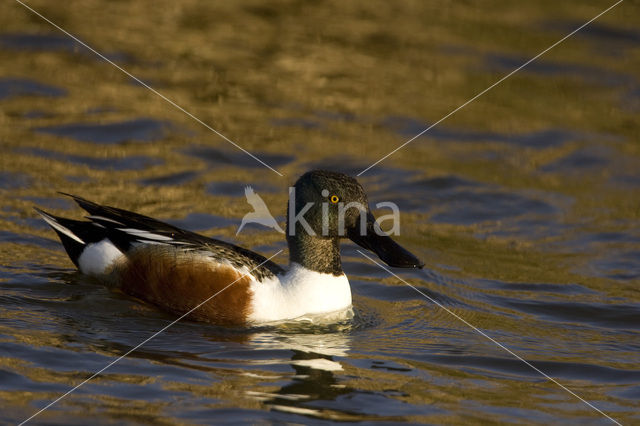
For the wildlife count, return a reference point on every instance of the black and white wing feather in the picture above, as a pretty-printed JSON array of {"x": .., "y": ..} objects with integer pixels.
[{"x": 127, "y": 230}]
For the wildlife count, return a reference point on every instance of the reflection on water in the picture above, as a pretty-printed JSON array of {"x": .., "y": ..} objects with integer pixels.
[
  {"x": 134, "y": 162},
  {"x": 524, "y": 204},
  {"x": 141, "y": 129},
  {"x": 10, "y": 87}
]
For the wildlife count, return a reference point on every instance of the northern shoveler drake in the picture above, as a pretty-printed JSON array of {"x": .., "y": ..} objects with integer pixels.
[{"x": 176, "y": 269}]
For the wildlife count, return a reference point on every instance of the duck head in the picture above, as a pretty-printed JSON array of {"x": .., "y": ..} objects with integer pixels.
[{"x": 325, "y": 207}]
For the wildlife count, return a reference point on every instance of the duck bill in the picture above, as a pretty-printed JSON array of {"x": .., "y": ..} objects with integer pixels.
[{"x": 390, "y": 252}]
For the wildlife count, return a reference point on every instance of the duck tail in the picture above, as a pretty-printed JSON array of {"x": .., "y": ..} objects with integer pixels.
[{"x": 72, "y": 233}]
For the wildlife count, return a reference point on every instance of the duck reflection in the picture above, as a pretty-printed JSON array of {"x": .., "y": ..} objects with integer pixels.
[{"x": 315, "y": 357}]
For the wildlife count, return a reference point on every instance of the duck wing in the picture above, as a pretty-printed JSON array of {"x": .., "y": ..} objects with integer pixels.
[{"x": 127, "y": 230}]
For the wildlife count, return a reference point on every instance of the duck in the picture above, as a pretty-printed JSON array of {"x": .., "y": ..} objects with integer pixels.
[{"x": 176, "y": 269}]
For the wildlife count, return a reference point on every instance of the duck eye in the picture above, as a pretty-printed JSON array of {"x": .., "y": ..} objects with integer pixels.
[{"x": 335, "y": 199}]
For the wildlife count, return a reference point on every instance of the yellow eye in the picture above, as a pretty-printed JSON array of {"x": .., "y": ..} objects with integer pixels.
[{"x": 335, "y": 199}]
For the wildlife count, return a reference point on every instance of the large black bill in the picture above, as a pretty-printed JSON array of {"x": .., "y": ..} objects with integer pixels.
[{"x": 388, "y": 250}]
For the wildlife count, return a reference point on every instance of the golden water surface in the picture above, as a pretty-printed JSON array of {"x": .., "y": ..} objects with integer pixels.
[{"x": 524, "y": 204}]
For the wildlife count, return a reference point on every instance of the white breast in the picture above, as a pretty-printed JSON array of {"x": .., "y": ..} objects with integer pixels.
[{"x": 297, "y": 293}]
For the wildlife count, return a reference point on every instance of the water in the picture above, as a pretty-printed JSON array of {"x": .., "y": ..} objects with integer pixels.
[{"x": 525, "y": 206}]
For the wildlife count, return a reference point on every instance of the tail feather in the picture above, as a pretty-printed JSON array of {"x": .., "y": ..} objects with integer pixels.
[
  {"x": 74, "y": 234},
  {"x": 56, "y": 223}
]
